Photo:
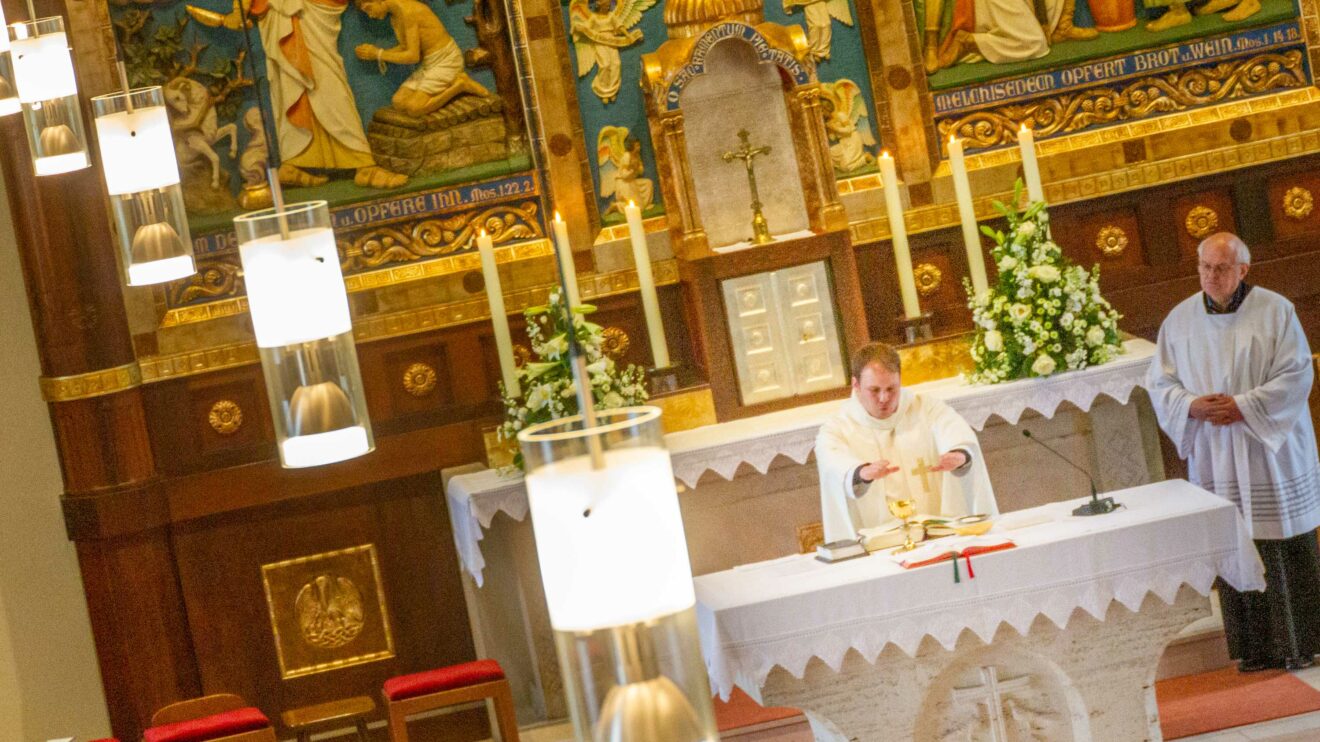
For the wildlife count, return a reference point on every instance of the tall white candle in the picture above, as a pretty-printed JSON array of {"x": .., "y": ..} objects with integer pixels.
[
  {"x": 962, "y": 189},
  {"x": 655, "y": 327},
  {"x": 498, "y": 318},
  {"x": 564, "y": 253},
  {"x": 1030, "y": 169},
  {"x": 907, "y": 284}
]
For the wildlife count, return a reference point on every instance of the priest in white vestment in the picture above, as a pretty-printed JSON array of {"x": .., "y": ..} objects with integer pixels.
[
  {"x": 1230, "y": 382},
  {"x": 888, "y": 442}
]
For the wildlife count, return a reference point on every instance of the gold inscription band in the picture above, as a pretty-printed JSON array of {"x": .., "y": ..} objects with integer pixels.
[{"x": 90, "y": 384}]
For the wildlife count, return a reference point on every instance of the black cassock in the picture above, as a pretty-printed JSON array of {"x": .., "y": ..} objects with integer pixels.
[{"x": 1282, "y": 623}]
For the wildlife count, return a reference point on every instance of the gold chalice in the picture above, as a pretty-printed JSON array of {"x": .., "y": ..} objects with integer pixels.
[{"x": 903, "y": 507}]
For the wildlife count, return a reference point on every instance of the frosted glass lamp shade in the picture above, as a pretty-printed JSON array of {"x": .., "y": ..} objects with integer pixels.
[
  {"x": 142, "y": 177},
  {"x": 614, "y": 562},
  {"x": 44, "y": 80},
  {"x": 304, "y": 334}
]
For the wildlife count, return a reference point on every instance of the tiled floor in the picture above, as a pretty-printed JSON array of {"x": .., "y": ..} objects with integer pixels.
[{"x": 1303, "y": 728}]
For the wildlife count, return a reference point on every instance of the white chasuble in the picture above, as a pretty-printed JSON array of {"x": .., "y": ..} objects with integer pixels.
[
  {"x": 1266, "y": 464},
  {"x": 913, "y": 439}
]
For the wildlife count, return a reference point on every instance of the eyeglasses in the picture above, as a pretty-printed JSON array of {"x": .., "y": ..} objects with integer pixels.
[{"x": 1217, "y": 270}]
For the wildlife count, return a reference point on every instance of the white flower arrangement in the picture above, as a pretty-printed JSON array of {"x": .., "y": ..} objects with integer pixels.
[
  {"x": 1043, "y": 315},
  {"x": 547, "y": 382}
]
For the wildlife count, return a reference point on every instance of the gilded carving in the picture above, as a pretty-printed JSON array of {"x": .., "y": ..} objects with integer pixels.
[
  {"x": 91, "y": 384},
  {"x": 216, "y": 278},
  {"x": 327, "y": 611},
  {"x": 929, "y": 278},
  {"x": 615, "y": 342},
  {"x": 1201, "y": 221},
  {"x": 225, "y": 417},
  {"x": 521, "y": 355},
  {"x": 220, "y": 278},
  {"x": 1111, "y": 241},
  {"x": 1150, "y": 96},
  {"x": 419, "y": 379},
  {"x": 1298, "y": 203},
  {"x": 435, "y": 237}
]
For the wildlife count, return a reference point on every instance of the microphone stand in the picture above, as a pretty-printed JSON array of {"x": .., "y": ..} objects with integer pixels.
[{"x": 1098, "y": 505}]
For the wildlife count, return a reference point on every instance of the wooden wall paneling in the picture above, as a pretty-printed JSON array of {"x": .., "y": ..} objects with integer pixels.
[
  {"x": 220, "y": 565},
  {"x": 180, "y": 413},
  {"x": 1291, "y": 203},
  {"x": 879, "y": 282},
  {"x": 948, "y": 301},
  {"x": 1109, "y": 238},
  {"x": 143, "y": 643},
  {"x": 1251, "y": 209}
]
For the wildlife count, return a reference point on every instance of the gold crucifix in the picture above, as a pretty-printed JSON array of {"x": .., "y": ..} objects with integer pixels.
[
  {"x": 923, "y": 470},
  {"x": 746, "y": 152}
]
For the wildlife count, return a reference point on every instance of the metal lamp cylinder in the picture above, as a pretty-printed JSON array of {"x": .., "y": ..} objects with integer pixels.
[
  {"x": 304, "y": 334},
  {"x": 617, "y": 579},
  {"x": 8, "y": 93},
  {"x": 48, "y": 91},
  {"x": 142, "y": 177}
]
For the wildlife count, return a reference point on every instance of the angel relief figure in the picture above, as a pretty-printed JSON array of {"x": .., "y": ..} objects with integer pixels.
[
  {"x": 600, "y": 29},
  {"x": 820, "y": 15},
  {"x": 619, "y": 155},
  {"x": 848, "y": 126}
]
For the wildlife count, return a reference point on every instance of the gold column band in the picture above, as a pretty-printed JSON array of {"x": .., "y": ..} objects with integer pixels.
[{"x": 91, "y": 384}]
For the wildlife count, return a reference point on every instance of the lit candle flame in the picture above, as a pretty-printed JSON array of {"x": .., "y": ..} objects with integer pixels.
[
  {"x": 885, "y": 154},
  {"x": 558, "y": 218},
  {"x": 632, "y": 204}
]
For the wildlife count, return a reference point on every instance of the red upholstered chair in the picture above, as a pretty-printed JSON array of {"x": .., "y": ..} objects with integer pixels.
[
  {"x": 222, "y": 717},
  {"x": 482, "y": 680}
]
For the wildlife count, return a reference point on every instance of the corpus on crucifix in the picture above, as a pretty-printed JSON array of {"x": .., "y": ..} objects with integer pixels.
[{"x": 746, "y": 153}]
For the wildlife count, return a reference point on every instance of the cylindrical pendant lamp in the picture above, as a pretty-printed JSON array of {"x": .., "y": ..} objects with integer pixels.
[
  {"x": 618, "y": 583},
  {"x": 142, "y": 176},
  {"x": 43, "y": 74},
  {"x": 8, "y": 93},
  {"x": 300, "y": 314}
]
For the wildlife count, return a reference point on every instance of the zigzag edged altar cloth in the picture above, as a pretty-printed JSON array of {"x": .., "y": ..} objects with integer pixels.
[{"x": 1073, "y": 620}]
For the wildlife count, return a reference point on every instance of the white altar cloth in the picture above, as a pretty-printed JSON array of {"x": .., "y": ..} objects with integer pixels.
[
  {"x": 474, "y": 499},
  {"x": 785, "y": 611}
]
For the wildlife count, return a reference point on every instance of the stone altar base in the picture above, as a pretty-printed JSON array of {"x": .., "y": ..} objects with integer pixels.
[
  {"x": 1093, "y": 680},
  {"x": 469, "y": 130}
]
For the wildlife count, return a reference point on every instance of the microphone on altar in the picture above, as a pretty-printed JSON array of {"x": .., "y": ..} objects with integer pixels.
[{"x": 1098, "y": 505}]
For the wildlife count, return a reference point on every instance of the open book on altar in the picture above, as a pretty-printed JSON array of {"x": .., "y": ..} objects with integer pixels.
[{"x": 946, "y": 549}]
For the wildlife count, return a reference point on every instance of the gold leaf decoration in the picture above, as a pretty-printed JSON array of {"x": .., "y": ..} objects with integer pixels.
[
  {"x": 215, "y": 278},
  {"x": 1111, "y": 241},
  {"x": 419, "y": 379},
  {"x": 1201, "y": 221},
  {"x": 1178, "y": 90},
  {"x": 615, "y": 342},
  {"x": 929, "y": 278},
  {"x": 225, "y": 417},
  {"x": 441, "y": 236},
  {"x": 1298, "y": 203}
]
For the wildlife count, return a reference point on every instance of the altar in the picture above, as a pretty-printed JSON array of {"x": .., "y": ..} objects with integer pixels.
[
  {"x": 1055, "y": 639},
  {"x": 750, "y": 493}
]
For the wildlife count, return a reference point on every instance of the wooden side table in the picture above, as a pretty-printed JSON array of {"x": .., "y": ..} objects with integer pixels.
[{"x": 304, "y": 720}]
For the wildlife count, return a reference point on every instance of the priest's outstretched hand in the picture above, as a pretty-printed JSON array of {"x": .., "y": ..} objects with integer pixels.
[
  {"x": 876, "y": 470},
  {"x": 951, "y": 461}
]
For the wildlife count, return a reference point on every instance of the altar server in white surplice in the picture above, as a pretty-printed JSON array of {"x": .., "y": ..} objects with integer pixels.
[
  {"x": 888, "y": 441},
  {"x": 1229, "y": 383}
]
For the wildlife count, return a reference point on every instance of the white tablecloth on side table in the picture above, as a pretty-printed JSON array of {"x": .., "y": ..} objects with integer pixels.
[
  {"x": 786, "y": 611},
  {"x": 474, "y": 499}
]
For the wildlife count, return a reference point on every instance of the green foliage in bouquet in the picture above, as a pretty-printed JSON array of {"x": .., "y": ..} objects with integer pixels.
[
  {"x": 1044, "y": 315},
  {"x": 547, "y": 382}
]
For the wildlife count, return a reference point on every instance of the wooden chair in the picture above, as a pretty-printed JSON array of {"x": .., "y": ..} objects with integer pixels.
[
  {"x": 482, "y": 680},
  {"x": 222, "y": 717}
]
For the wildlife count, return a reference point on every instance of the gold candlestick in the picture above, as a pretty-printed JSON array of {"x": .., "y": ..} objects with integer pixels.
[{"x": 746, "y": 152}]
